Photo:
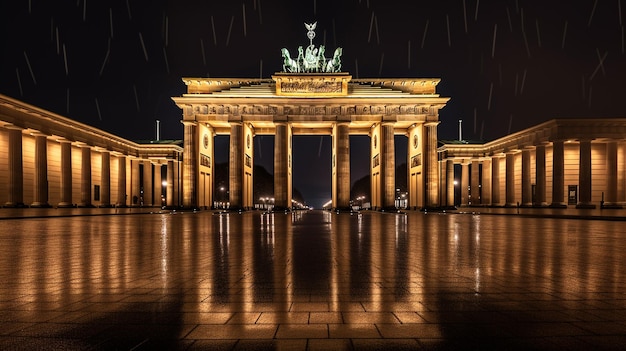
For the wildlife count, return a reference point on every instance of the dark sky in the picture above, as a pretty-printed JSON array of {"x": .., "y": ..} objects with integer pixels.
[{"x": 115, "y": 64}]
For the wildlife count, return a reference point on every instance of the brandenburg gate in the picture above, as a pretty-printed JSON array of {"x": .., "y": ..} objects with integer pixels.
[{"x": 311, "y": 96}]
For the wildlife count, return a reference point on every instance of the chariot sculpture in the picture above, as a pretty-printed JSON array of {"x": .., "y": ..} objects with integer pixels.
[{"x": 311, "y": 59}]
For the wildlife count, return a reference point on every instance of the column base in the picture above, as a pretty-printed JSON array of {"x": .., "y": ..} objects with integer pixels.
[
  {"x": 611, "y": 205},
  {"x": 40, "y": 205},
  {"x": 14, "y": 205},
  {"x": 585, "y": 205},
  {"x": 388, "y": 209},
  {"x": 540, "y": 204},
  {"x": 85, "y": 205},
  {"x": 65, "y": 205},
  {"x": 343, "y": 209},
  {"x": 106, "y": 206},
  {"x": 558, "y": 205},
  {"x": 511, "y": 205}
]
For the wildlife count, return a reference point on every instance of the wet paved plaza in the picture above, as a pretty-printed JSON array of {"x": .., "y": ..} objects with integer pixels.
[{"x": 312, "y": 281}]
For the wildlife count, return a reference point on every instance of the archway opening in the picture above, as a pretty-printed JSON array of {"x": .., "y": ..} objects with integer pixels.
[
  {"x": 221, "y": 172},
  {"x": 311, "y": 156},
  {"x": 360, "y": 177},
  {"x": 263, "y": 177},
  {"x": 401, "y": 151}
]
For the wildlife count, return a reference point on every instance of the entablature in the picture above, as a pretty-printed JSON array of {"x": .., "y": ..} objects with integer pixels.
[{"x": 191, "y": 108}]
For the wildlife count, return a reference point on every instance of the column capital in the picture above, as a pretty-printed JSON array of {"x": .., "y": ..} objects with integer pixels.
[
  {"x": 37, "y": 133},
  {"x": 189, "y": 123},
  {"x": 497, "y": 155},
  {"x": 82, "y": 145},
  {"x": 62, "y": 140},
  {"x": 12, "y": 127},
  {"x": 432, "y": 124}
]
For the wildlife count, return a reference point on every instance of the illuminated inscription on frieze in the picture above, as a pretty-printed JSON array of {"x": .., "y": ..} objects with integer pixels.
[{"x": 311, "y": 87}]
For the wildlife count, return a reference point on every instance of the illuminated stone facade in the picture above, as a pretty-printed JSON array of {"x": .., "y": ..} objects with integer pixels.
[
  {"x": 559, "y": 163},
  {"x": 319, "y": 104},
  {"x": 53, "y": 161}
]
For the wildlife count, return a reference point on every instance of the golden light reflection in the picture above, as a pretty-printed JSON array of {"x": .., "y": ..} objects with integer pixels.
[
  {"x": 224, "y": 232},
  {"x": 164, "y": 250},
  {"x": 254, "y": 263},
  {"x": 477, "y": 253}
]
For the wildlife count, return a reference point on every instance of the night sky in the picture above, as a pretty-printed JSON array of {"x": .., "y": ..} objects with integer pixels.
[{"x": 507, "y": 65}]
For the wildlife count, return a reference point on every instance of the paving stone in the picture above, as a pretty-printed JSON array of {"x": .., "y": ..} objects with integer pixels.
[{"x": 317, "y": 281}]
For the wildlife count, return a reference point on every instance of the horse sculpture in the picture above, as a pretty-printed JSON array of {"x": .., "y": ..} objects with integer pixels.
[
  {"x": 321, "y": 60},
  {"x": 289, "y": 64},
  {"x": 300, "y": 59},
  {"x": 334, "y": 64},
  {"x": 311, "y": 60}
]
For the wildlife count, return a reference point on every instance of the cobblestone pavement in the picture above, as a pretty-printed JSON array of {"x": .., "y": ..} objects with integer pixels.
[{"x": 100, "y": 280}]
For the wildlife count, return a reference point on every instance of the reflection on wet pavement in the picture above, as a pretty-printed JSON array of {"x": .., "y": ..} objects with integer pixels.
[{"x": 312, "y": 280}]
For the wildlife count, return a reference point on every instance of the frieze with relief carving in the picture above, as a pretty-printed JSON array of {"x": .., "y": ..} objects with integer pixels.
[
  {"x": 393, "y": 110},
  {"x": 309, "y": 110}
]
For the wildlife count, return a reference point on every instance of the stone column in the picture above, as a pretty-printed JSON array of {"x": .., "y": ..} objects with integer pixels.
[
  {"x": 282, "y": 201},
  {"x": 190, "y": 165},
  {"x": 540, "y": 175},
  {"x": 40, "y": 181},
  {"x": 157, "y": 186},
  {"x": 474, "y": 197},
  {"x": 85, "y": 177},
  {"x": 105, "y": 187},
  {"x": 122, "y": 198},
  {"x": 450, "y": 183},
  {"x": 235, "y": 166},
  {"x": 388, "y": 166},
  {"x": 443, "y": 182},
  {"x": 147, "y": 183},
  {"x": 66, "y": 175},
  {"x": 465, "y": 184},
  {"x": 611, "y": 199},
  {"x": 15, "y": 184},
  {"x": 485, "y": 187},
  {"x": 584, "y": 176},
  {"x": 527, "y": 190},
  {"x": 558, "y": 175},
  {"x": 621, "y": 173},
  {"x": 170, "y": 184},
  {"x": 135, "y": 184},
  {"x": 495, "y": 181},
  {"x": 510, "y": 180},
  {"x": 342, "y": 143},
  {"x": 431, "y": 171}
]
